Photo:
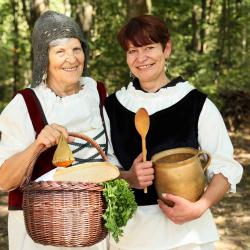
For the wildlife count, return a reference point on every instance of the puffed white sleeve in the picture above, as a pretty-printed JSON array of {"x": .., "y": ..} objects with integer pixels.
[
  {"x": 110, "y": 153},
  {"x": 213, "y": 138},
  {"x": 16, "y": 128}
]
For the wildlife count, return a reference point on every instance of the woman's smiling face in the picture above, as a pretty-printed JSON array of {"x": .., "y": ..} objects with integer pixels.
[
  {"x": 147, "y": 63},
  {"x": 66, "y": 62}
]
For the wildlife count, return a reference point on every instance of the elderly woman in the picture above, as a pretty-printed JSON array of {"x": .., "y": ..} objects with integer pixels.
[
  {"x": 180, "y": 116},
  {"x": 59, "y": 100}
]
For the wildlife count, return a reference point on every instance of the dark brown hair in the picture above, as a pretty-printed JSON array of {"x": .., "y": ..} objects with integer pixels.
[{"x": 143, "y": 30}]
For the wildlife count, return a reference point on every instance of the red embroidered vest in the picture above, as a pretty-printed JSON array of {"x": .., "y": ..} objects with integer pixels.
[{"x": 44, "y": 161}]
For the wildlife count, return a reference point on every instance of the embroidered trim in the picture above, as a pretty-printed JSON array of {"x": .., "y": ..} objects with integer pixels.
[{"x": 79, "y": 161}]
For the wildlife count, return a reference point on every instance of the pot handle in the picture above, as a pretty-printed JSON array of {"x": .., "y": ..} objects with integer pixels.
[{"x": 205, "y": 161}]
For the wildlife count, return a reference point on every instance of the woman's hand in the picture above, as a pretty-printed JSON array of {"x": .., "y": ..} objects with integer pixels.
[
  {"x": 140, "y": 175},
  {"x": 182, "y": 210},
  {"x": 14, "y": 169},
  {"x": 50, "y": 135}
]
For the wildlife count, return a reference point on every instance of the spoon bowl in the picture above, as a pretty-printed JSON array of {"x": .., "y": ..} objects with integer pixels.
[
  {"x": 142, "y": 126},
  {"x": 142, "y": 122}
]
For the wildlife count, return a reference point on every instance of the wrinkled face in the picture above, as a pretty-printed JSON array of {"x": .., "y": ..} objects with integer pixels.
[
  {"x": 147, "y": 62},
  {"x": 66, "y": 62}
]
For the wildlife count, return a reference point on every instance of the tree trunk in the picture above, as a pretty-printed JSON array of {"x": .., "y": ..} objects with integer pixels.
[
  {"x": 15, "y": 56},
  {"x": 202, "y": 25},
  {"x": 228, "y": 37},
  {"x": 85, "y": 18},
  {"x": 82, "y": 12},
  {"x": 211, "y": 2},
  {"x": 67, "y": 7},
  {"x": 138, "y": 7},
  {"x": 195, "y": 41},
  {"x": 35, "y": 9},
  {"x": 238, "y": 4},
  {"x": 245, "y": 31},
  {"x": 222, "y": 34}
]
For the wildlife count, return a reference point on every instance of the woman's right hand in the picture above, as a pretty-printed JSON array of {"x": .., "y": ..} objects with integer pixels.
[
  {"x": 141, "y": 174},
  {"x": 50, "y": 135},
  {"x": 14, "y": 169}
]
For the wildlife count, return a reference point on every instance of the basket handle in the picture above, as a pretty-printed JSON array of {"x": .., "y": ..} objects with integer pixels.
[
  {"x": 27, "y": 176},
  {"x": 92, "y": 142}
]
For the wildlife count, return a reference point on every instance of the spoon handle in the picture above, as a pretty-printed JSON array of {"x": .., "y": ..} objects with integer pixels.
[{"x": 144, "y": 156}]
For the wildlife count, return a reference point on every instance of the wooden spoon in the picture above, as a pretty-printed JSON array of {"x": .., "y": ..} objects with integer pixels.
[{"x": 142, "y": 126}]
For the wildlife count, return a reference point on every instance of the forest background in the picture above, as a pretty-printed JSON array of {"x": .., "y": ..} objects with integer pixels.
[
  {"x": 211, "y": 49},
  {"x": 211, "y": 44}
]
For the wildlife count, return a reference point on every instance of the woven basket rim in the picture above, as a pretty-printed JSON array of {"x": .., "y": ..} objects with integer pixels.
[{"x": 62, "y": 185}]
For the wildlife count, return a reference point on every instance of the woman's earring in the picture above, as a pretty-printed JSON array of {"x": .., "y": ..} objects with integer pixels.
[
  {"x": 45, "y": 77},
  {"x": 131, "y": 75}
]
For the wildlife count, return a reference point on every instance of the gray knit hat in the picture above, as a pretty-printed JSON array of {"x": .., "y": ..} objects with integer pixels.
[{"x": 48, "y": 27}]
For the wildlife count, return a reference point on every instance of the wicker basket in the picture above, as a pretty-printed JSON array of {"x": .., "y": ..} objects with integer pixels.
[{"x": 65, "y": 214}]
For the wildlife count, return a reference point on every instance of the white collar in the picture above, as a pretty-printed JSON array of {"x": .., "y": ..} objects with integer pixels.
[{"x": 134, "y": 99}]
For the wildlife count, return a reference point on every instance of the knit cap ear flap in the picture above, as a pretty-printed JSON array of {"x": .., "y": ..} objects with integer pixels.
[{"x": 51, "y": 26}]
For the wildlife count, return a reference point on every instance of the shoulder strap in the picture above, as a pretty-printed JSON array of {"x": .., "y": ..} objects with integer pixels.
[
  {"x": 102, "y": 95},
  {"x": 34, "y": 108},
  {"x": 102, "y": 92}
]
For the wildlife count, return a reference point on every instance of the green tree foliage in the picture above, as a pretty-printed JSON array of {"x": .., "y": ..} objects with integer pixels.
[
  {"x": 222, "y": 66},
  {"x": 8, "y": 51},
  {"x": 210, "y": 42},
  {"x": 107, "y": 60}
]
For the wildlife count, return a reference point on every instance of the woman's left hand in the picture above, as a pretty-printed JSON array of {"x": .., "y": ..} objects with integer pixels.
[{"x": 182, "y": 211}]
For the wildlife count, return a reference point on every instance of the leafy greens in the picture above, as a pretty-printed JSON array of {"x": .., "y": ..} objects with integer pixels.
[{"x": 121, "y": 206}]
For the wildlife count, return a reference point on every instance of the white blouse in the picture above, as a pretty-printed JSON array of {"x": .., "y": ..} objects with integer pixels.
[
  {"x": 149, "y": 228},
  {"x": 78, "y": 113}
]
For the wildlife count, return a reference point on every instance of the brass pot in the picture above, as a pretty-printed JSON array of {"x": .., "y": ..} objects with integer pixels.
[{"x": 180, "y": 171}]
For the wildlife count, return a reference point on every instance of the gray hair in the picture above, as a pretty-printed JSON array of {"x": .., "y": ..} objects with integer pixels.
[{"x": 58, "y": 41}]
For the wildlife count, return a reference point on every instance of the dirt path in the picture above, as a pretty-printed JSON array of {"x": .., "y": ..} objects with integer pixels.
[
  {"x": 232, "y": 214},
  {"x": 3, "y": 222}
]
